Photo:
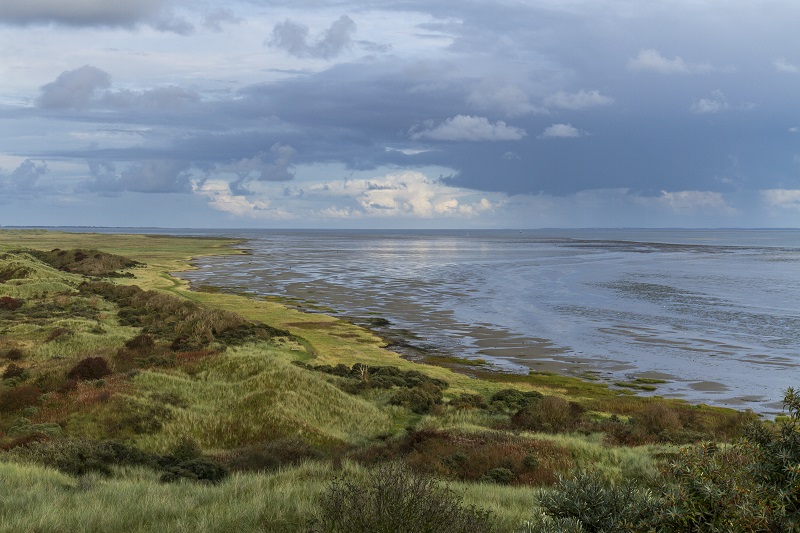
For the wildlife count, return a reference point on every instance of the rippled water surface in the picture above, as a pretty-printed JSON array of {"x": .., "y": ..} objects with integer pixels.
[{"x": 714, "y": 313}]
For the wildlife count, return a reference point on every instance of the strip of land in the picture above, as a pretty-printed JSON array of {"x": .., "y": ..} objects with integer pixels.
[{"x": 131, "y": 403}]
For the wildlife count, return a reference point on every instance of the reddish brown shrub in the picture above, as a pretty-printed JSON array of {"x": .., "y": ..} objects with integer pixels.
[
  {"x": 141, "y": 343},
  {"x": 90, "y": 368},
  {"x": 10, "y": 304},
  {"x": 13, "y": 371},
  {"x": 12, "y": 354},
  {"x": 16, "y": 398},
  {"x": 550, "y": 414}
]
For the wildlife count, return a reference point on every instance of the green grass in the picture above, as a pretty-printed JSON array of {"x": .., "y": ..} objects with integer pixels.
[
  {"x": 253, "y": 394},
  {"x": 134, "y": 501}
]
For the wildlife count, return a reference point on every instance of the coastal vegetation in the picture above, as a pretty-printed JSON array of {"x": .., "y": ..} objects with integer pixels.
[{"x": 130, "y": 403}]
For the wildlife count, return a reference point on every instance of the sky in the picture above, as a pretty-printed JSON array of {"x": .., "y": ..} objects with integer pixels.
[{"x": 400, "y": 113}]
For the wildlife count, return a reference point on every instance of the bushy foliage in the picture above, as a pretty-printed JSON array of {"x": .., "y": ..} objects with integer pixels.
[
  {"x": 80, "y": 457},
  {"x": 90, "y": 368},
  {"x": 268, "y": 456},
  {"x": 8, "y": 303},
  {"x": 512, "y": 400},
  {"x": 13, "y": 399},
  {"x": 379, "y": 377},
  {"x": 420, "y": 399},
  {"x": 417, "y": 391},
  {"x": 751, "y": 486},
  {"x": 549, "y": 414},
  {"x": 86, "y": 262},
  {"x": 468, "y": 401},
  {"x": 198, "y": 469},
  {"x": 394, "y": 499},
  {"x": 188, "y": 325},
  {"x": 471, "y": 456},
  {"x": 501, "y": 476},
  {"x": 14, "y": 371},
  {"x": 12, "y": 354},
  {"x": 596, "y": 505}
]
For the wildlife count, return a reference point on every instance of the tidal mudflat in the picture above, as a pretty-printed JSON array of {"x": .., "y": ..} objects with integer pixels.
[{"x": 712, "y": 316}]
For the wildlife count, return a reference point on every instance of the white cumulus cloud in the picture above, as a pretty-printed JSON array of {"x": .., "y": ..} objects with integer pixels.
[
  {"x": 222, "y": 199},
  {"x": 564, "y": 131},
  {"x": 403, "y": 194},
  {"x": 468, "y": 128}
]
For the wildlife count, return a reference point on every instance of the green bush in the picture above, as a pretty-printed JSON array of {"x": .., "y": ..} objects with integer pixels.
[
  {"x": 198, "y": 469},
  {"x": 598, "y": 505},
  {"x": 512, "y": 400},
  {"x": 419, "y": 399},
  {"x": 751, "y": 486},
  {"x": 501, "y": 476},
  {"x": 394, "y": 499},
  {"x": 80, "y": 457},
  {"x": 468, "y": 401}
]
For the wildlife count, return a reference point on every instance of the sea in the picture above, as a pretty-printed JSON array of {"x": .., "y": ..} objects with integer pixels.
[{"x": 711, "y": 316}]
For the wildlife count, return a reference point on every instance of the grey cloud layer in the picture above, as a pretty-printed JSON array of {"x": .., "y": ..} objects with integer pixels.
[
  {"x": 87, "y": 13},
  {"x": 577, "y": 96}
]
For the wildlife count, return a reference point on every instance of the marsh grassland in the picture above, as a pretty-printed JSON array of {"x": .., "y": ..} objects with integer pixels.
[{"x": 130, "y": 403}]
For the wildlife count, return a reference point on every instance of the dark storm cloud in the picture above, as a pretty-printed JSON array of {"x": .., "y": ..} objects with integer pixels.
[{"x": 120, "y": 13}]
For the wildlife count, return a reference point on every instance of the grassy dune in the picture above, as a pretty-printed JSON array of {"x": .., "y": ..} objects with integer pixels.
[{"x": 109, "y": 391}]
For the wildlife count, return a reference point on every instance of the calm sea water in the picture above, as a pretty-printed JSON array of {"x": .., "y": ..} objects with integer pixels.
[{"x": 715, "y": 313}]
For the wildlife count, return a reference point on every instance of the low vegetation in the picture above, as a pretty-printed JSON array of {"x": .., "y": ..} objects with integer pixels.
[{"x": 128, "y": 403}]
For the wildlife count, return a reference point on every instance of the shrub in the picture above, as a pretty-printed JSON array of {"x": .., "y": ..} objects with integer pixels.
[
  {"x": 86, "y": 262},
  {"x": 501, "y": 476},
  {"x": 141, "y": 343},
  {"x": 10, "y": 304},
  {"x": 469, "y": 456},
  {"x": 419, "y": 399},
  {"x": 657, "y": 419},
  {"x": 89, "y": 368},
  {"x": 15, "y": 398},
  {"x": 395, "y": 499},
  {"x": 468, "y": 401},
  {"x": 197, "y": 469},
  {"x": 512, "y": 400},
  {"x": 80, "y": 457},
  {"x": 599, "y": 505},
  {"x": 269, "y": 456},
  {"x": 550, "y": 414},
  {"x": 12, "y": 354},
  {"x": 752, "y": 486},
  {"x": 709, "y": 490},
  {"x": 14, "y": 371}
]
